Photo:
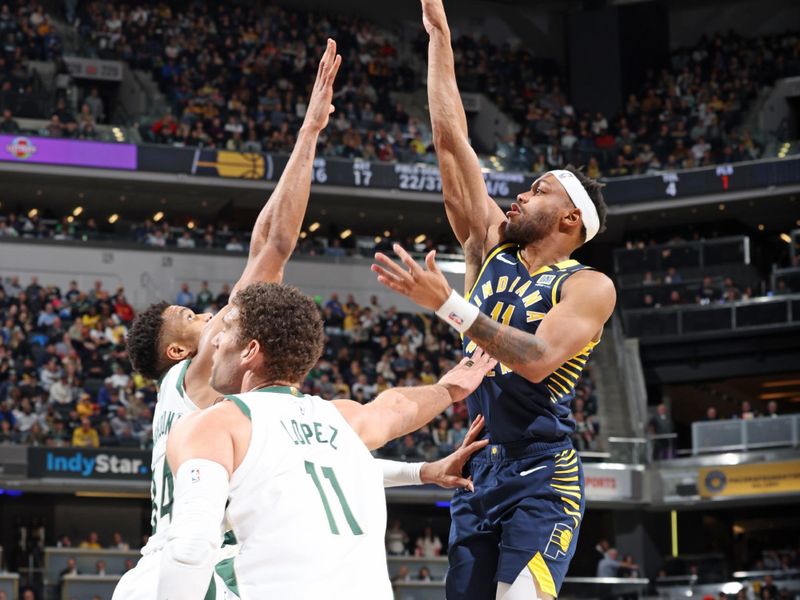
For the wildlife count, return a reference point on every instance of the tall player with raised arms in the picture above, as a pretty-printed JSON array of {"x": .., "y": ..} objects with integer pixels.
[
  {"x": 172, "y": 343},
  {"x": 540, "y": 314}
]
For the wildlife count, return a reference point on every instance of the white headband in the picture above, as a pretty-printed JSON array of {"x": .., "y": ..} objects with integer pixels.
[{"x": 579, "y": 197}]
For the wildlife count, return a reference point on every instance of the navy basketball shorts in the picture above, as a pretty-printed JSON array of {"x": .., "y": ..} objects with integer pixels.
[{"x": 525, "y": 512}]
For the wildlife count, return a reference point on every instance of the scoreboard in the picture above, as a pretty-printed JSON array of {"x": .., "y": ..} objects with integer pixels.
[
  {"x": 418, "y": 178},
  {"x": 425, "y": 178}
]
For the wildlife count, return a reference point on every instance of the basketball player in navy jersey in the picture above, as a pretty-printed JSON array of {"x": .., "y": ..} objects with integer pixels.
[{"x": 537, "y": 312}]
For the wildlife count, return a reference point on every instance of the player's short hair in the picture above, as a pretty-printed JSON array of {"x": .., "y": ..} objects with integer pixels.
[
  {"x": 593, "y": 188},
  {"x": 144, "y": 342},
  {"x": 287, "y": 325}
]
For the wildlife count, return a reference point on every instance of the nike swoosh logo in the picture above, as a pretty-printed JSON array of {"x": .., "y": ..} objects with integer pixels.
[
  {"x": 505, "y": 260},
  {"x": 529, "y": 471}
]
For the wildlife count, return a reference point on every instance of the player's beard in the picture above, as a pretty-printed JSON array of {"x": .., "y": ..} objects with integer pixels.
[{"x": 527, "y": 229}]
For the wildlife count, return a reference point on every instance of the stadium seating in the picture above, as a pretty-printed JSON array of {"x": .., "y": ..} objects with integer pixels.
[
  {"x": 237, "y": 78},
  {"x": 64, "y": 361},
  {"x": 686, "y": 418}
]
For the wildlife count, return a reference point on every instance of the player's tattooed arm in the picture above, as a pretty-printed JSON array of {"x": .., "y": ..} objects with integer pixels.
[
  {"x": 510, "y": 346},
  {"x": 429, "y": 288},
  {"x": 587, "y": 301}
]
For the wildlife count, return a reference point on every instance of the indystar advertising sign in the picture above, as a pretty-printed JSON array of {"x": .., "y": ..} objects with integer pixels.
[{"x": 83, "y": 463}]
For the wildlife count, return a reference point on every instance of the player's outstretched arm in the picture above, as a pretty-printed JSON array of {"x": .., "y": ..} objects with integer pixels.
[
  {"x": 445, "y": 472},
  {"x": 200, "y": 453},
  {"x": 473, "y": 215},
  {"x": 587, "y": 301},
  {"x": 278, "y": 225},
  {"x": 401, "y": 410}
]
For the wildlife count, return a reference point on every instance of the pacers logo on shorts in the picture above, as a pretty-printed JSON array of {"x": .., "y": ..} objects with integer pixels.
[{"x": 560, "y": 539}]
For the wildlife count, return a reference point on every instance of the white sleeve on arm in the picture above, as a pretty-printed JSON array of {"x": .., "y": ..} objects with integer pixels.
[
  {"x": 195, "y": 533},
  {"x": 397, "y": 473}
]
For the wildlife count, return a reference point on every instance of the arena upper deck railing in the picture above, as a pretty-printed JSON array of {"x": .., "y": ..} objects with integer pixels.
[{"x": 759, "y": 313}]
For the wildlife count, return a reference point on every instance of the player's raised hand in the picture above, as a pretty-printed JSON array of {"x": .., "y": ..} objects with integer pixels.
[
  {"x": 448, "y": 472},
  {"x": 427, "y": 287},
  {"x": 466, "y": 376},
  {"x": 319, "y": 105},
  {"x": 433, "y": 16}
]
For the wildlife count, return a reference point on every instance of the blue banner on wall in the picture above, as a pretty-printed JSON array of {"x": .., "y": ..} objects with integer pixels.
[{"x": 89, "y": 463}]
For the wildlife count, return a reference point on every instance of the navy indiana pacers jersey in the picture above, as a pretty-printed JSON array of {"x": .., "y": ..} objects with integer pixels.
[{"x": 515, "y": 408}]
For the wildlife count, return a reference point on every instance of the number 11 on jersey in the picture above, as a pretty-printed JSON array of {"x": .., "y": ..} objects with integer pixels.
[{"x": 330, "y": 475}]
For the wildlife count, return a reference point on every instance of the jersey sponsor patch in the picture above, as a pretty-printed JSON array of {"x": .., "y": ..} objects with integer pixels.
[
  {"x": 546, "y": 280},
  {"x": 560, "y": 539}
]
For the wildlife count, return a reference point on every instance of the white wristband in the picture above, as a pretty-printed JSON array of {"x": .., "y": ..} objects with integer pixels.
[
  {"x": 396, "y": 473},
  {"x": 458, "y": 313}
]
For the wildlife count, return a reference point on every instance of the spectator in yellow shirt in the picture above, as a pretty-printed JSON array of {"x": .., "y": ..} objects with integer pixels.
[
  {"x": 93, "y": 541},
  {"x": 350, "y": 319},
  {"x": 85, "y": 436},
  {"x": 427, "y": 376},
  {"x": 593, "y": 170},
  {"x": 140, "y": 381},
  {"x": 341, "y": 387},
  {"x": 85, "y": 407},
  {"x": 90, "y": 319}
]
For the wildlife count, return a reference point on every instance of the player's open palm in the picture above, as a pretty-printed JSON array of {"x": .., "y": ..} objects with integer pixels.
[
  {"x": 427, "y": 287},
  {"x": 448, "y": 472},
  {"x": 466, "y": 376},
  {"x": 319, "y": 106}
]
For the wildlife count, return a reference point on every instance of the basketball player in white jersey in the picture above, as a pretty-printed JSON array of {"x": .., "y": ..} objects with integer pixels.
[
  {"x": 291, "y": 475},
  {"x": 172, "y": 344}
]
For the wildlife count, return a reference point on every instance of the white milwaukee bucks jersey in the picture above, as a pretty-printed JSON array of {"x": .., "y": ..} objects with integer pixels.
[
  {"x": 306, "y": 504},
  {"x": 173, "y": 403},
  {"x": 141, "y": 582}
]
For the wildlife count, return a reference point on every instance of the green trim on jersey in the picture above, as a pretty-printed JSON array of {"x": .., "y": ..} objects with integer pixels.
[
  {"x": 181, "y": 376},
  {"x": 242, "y": 406},
  {"x": 229, "y": 539},
  {"x": 281, "y": 389},
  {"x": 224, "y": 569},
  {"x": 211, "y": 593},
  {"x": 272, "y": 389}
]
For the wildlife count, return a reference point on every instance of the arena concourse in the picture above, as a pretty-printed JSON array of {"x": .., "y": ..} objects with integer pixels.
[{"x": 139, "y": 141}]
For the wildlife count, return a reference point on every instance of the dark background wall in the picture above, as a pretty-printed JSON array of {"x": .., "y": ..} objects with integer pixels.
[{"x": 611, "y": 49}]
